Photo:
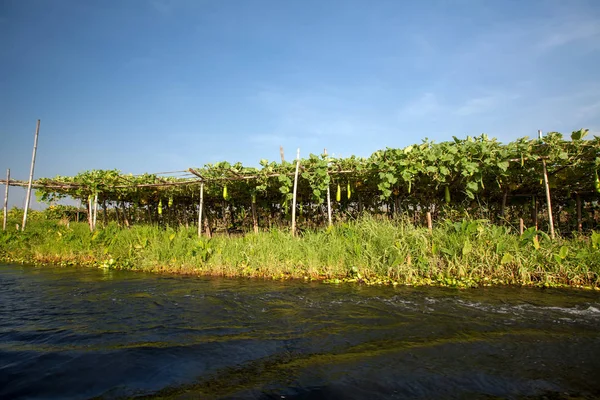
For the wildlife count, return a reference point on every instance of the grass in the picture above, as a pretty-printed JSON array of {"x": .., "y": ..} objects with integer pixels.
[{"x": 462, "y": 254}]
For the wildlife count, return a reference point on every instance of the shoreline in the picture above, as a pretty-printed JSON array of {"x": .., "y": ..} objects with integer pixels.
[
  {"x": 189, "y": 271},
  {"x": 364, "y": 251}
]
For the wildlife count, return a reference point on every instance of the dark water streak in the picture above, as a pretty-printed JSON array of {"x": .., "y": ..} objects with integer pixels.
[{"x": 68, "y": 333}]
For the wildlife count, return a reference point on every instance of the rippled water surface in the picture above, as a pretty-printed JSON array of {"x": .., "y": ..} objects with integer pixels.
[{"x": 74, "y": 333}]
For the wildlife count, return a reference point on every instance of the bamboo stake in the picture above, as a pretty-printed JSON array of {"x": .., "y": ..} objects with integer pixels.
[
  {"x": 503, "y": 209},
  {"x": 28, "y": 195},
  {"x": 90, "y": 217},
  {"x": 125, "y": 219},
  {"x": 547, "y": 186},
  {"x": 78, "y": 207},
  {"x": 521, "y": 226},
  {"x": 6, "y": 200},
  {"x": 294, "y": 194},
  {"x": 429, "y": 223},
  {"x": 534, "y": 212},
  {"x": 200, "y": 206},
  {"x": 104, "y": 212},
  {"x": 328, "y": 197},
  {"x": 95, "y": 210},
  {"x": 579, "y": 225},
  {"x": 254, "y": 217},
  {"x": 281, "y": 153}
]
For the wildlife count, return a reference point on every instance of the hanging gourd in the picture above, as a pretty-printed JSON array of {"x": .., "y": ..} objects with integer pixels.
[
  {"x": 170, "y": 201},
  {"x": 597, "y": 183},
  {"x": 225, "y": 194},
  {"x": 447, "y": 195},
  {"x": 409, "y": 186},
  {"x": 253, "y": 198},
  {"x": 349, "y": 191},
  {"x": 160, "y": 207},
  {"x": 338, "y": 195}
]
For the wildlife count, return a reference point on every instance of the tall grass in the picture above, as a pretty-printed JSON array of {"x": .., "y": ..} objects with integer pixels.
[{"x": 466, "y": 253}]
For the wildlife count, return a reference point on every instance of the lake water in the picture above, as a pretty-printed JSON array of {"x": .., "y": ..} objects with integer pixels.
[{"x": 77, "y": 333}]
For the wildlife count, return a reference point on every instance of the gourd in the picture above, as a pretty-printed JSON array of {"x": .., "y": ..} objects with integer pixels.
[
  {"x": 338, "y": 195},
  {"x": 447, "y": 195}
]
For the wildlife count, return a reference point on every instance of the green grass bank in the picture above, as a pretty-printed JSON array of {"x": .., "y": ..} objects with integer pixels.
[{"x": 468, "y": 253}]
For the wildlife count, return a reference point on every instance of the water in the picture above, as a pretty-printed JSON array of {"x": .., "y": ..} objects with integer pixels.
[{"x": 68, "y": 333}]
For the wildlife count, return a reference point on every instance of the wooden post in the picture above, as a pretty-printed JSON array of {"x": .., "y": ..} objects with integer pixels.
[
  {"x": 295, "y": 192},
  {"x": 429, "y": 223},
  {"x": 78, "y": 207},
  {"x": 503, "y": 209},
  {"x": 281, "y": 154},
  {"x": 90, "y": 216},
  {"x": 521, "y": 226},
  {"x": 579, "y": 225},
  {"x": 6, "y": 200},
  {"x": 534, "y": 212},
  {"x": 547, "y": 186},
  {"x": 254, "y": 216},
  {"x": 125, "y": 218},
  {"x": 104, "y": 212},
  {"x": 95, "y": 210},
  {"x": 28, "y": 195},
  {"x": 200, "y": 206},
  {"x": 328, "y": 195},
  {"x": 207, "y": 227}
]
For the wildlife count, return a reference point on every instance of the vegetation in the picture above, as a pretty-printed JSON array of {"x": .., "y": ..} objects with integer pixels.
[
  {"x": 369, "y": 249},
  {"x": 481, "y": 176},
  {"x": 476, "y": 189}
]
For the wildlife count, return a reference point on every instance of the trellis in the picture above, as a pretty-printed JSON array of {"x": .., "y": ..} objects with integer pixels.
[{"x": 464, "y": 168}]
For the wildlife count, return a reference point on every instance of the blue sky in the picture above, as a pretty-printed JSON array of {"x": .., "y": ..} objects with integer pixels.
[{"x": 148, "y": 86}]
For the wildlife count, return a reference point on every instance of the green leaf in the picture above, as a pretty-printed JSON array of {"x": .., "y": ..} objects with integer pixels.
[
  {"x": 472, "y": 186},
  {"x": 536, "y": 242},
  {"x": 467, "y": 247},
  {"x": 563, "y": 252},
  {"x": 507, "y": 258}
]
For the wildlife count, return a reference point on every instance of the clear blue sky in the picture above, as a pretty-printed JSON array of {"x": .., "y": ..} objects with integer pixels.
[{"x": 148, "y": 86}]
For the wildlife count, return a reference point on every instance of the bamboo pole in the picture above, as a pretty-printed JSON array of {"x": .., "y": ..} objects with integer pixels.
[
  {"x": 579, "y": 225},
  {"x": 503, "y": 209},
  {"x": 5, "y": 209},
  {"x": 200, "y": 206},
  {"x": 429, "y": 223},
  {"x": 254, "y": 217},
  {"x": 548, "y": 199},
  {"x": 125, "y": 219},
  {"x": 295, "y": 192},
  {"x": 521, "y": 226},
  {"x": 90, "y": 217},
  {"x": 28, "y": 195},
  {"x": 78, "y": 207},
  {"x": 281, "y": 154},
  {"x": 534, "y": 212},
  {"x": 95, "y": 210},
  {"x": 328, "y": 196},
  {"x": 547, "y": 187}
]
